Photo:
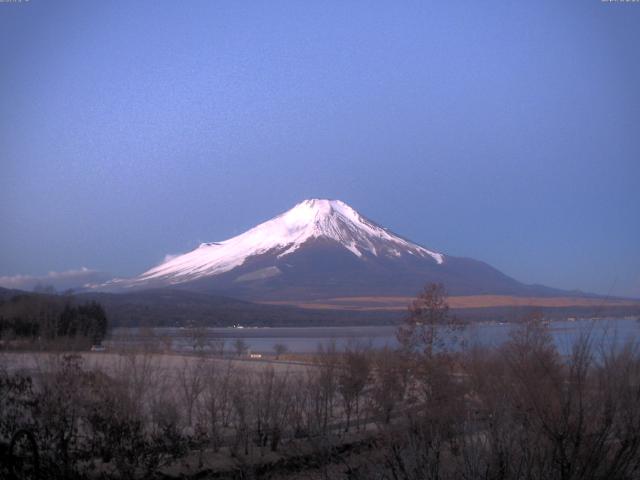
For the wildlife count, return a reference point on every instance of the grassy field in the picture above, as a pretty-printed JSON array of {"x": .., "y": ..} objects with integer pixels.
[
  {"x": 399, "y": 303},
  {"x": 163, "y": 363}
]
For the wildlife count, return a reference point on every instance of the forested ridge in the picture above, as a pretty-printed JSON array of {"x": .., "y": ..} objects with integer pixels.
[{"x": 31, "y": 316}]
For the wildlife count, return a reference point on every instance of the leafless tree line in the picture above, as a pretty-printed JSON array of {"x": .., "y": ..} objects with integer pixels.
[{"x": 518, "y": 411}]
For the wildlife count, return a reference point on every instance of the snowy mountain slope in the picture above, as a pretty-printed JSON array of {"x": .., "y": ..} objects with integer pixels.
[
  {"x": 282, "y": 236},
  {"x": 321, "y": 249}
]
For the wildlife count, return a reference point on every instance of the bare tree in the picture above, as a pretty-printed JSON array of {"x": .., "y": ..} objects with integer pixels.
[
  {"x": 240, "y": 399},
  {"x": 390, "y": 383},
  {"x": 352, "y": 380},
  {"x": 142, "y": 374},
  {"x": 428, "y": 326},
  {"x": 240, "y": 347},
  {"x": 57, "y": 410},
  {"x": 323, "y": 384},
  {"x": 191, "y": 383},
  {"x": 217, "y": 401},
  {"x": 301, "y": 412},
  {"x": 280, "y": 349},
  {"x": 217, "y": 346},
  {"x": 198, "y": 338},
  {"x": 271, "y": 406}
]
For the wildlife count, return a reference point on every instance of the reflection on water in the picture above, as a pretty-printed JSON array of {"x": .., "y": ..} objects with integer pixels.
[{"x": 607, "y": 332}]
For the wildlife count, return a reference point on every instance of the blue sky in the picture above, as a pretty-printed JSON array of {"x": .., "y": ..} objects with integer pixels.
[{"x": 503, "y": 131}]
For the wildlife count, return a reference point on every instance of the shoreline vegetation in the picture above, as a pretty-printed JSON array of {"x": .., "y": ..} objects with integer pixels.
[
  {"x": 177, "y": 308},
  {"x": 421, "y": 411}
]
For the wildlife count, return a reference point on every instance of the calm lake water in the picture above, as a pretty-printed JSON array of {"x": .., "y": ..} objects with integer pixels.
[{"x": 608, "y": 332}]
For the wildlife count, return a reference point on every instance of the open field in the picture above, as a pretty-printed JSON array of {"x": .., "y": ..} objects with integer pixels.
[
  {"x": 165, "y": 364},
  {"x": 391, "y": 303}
]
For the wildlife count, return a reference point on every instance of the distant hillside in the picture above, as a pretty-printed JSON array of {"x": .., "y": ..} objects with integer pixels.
[
  {"x": 7, "y": 293},
  {"x": 172, "y": 307}
]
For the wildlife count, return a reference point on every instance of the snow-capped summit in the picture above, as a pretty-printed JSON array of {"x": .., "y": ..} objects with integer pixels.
[
  {"x": 320, "y": 249},
  {"x": 283, "y": 235}
]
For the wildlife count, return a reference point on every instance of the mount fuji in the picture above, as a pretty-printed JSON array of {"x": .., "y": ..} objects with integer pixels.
[{"x": 322, "y": 249}]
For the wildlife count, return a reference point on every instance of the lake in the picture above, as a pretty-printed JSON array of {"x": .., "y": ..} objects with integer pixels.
[{"x": 608, "y": 332}]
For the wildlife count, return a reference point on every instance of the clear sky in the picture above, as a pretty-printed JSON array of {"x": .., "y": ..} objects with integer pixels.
[{"x": 504, "y": 131}]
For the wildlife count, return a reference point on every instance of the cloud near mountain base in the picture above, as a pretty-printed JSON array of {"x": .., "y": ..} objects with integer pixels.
[{"x": 59, "y": 281}]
